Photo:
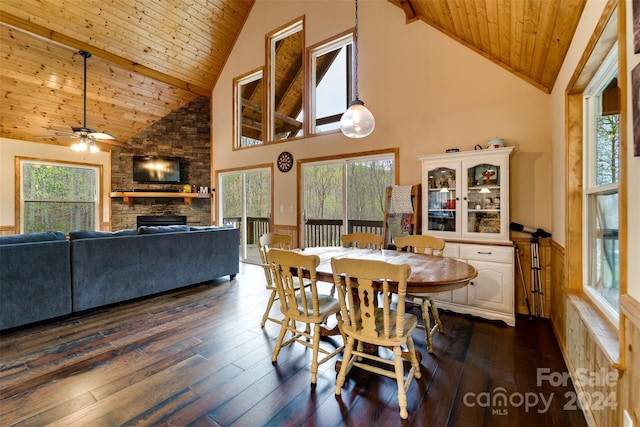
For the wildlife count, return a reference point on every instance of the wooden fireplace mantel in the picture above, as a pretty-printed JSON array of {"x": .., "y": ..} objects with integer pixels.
[{"x": 128, "y": 197}]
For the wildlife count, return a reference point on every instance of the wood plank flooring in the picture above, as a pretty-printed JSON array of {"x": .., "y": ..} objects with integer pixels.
[{"x": 198, "y": 357}]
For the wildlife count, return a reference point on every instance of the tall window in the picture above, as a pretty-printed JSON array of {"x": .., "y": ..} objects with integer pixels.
[
  {"x": 248, "y": 102},
  {"x": 331, "y": 76},
  {"x": 600, "y": 193},
  {"x": 285, "y": 78},
  {"x": 61, "y": 197}
]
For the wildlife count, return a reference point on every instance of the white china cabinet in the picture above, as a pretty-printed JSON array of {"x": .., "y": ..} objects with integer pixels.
[{"x": 465, "y": 201}]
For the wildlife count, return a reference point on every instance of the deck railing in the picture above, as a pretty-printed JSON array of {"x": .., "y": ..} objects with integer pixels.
[
  {"x": 327, "y": 232},
  {"x": 256, "y": 227},
  {"x": 317, "y": 232}
]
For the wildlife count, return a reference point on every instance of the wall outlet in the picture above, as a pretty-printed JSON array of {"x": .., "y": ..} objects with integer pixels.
[{"x": 626, "y": 419}]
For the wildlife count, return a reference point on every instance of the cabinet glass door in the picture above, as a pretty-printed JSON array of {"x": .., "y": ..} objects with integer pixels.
[
  {"x": 441, "y": 205},
  {"x": 483, "y": 199}
]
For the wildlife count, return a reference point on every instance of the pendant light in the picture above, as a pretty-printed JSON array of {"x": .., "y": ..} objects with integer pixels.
[{"x": 357, "y": 121}]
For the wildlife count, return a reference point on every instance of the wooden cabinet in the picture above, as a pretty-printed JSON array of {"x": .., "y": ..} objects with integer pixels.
[{"x": 465, "y": 201}]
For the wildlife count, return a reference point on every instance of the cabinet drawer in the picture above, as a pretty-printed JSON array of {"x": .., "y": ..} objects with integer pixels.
[{"x": 487, "y": 253}]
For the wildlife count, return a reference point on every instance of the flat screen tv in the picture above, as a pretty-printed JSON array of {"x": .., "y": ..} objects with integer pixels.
[{"x": 156, "y": 169}]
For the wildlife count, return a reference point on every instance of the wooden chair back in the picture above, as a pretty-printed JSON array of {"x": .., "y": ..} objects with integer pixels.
[
  {"x": 362, "y": 240},
  {"x": 362, "y": 279},
  {"x": 296, "y": 301},
  {"x": 420, "y": 244},
  {"x": 266, "y": 242}
]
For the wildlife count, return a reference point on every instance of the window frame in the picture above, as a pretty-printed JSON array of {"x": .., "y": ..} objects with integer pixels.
[
  {"x": 97, "y": 169},
  {"x": 608, "y": 70},
  {"x": 296, "y": 25},
  {"x": 344, "y": 39},
  {"x": 238, "y": 82}
]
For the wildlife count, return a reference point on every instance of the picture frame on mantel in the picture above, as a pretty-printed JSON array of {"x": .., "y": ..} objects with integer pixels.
[{"x": 635, "y": 100}]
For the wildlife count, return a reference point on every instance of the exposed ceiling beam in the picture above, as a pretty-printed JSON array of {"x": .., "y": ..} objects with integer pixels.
[{"x": 44, "y": 32}]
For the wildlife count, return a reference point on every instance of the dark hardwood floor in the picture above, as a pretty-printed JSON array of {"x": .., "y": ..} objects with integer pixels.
[{"x": 199, "y": 357}]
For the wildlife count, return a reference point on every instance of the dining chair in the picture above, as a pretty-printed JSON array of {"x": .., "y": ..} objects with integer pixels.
[
  {"x": 362, "y": 240},
  {"x": 359, "y": 240},
  {"x": 365, "y": 322},
  {"x": 424, "y": 245},
  {"x": 302, "y": 305},
  {"x": 266, "y": 242}
]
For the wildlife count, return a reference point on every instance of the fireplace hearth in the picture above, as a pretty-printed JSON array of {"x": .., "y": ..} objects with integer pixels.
[{"x": 146, "y": 221}]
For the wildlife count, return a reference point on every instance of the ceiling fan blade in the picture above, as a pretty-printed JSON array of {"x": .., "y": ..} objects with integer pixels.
[
  {"x": 100, "y": 135},
  {"x": 56, "y": 136},
  {"x": 68, "y": 132}
]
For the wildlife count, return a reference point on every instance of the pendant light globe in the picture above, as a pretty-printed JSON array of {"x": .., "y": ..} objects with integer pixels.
[{"x": 357, "y": 121}]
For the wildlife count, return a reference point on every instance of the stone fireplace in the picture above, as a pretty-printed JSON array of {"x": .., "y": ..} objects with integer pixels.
[{"x": 185, "y": 133}]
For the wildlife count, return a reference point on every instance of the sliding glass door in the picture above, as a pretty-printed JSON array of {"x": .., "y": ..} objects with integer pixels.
[
  {"x": 344, "y": 196},
  {"x": 245, "y": 203}
]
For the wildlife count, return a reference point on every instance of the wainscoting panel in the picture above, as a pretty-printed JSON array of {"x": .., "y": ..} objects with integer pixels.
[
  {"x": 291, "y": 230},
  {"x": 591, "y": 349},
  {"x": 629, "y": 393},
  {"x": 7, "y": 230}
]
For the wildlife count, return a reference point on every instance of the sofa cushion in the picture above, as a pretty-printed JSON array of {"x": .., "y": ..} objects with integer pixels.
[
  {"x": 155, "y": 229},
  {"x": 42, "y": 236},
  {"x": 88, "y": 234}
]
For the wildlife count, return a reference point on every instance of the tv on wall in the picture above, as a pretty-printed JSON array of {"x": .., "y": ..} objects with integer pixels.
[{"x": 158, "y": 169}]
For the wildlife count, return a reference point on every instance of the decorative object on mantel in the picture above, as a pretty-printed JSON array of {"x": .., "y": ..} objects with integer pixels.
[
  {"x": 88, "y": 137},
  {"x": 357, "y": 121}
]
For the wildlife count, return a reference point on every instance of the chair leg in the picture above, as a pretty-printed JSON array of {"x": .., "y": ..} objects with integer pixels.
[
  {"x": 314, "y": 357},
  {"x": 265, "y": 317},
  {"x": 427, "y": 325},
  {"x": 414, "y": 359},
  {"x": 344, "y": 368},
  {"x": 402, "y": 394},
  {"x": 436, "y": 316},
  {"x": 283, "y": 330}
]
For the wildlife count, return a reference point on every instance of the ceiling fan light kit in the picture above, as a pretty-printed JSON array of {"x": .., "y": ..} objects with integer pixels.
[{"x": 88, "y": 137}]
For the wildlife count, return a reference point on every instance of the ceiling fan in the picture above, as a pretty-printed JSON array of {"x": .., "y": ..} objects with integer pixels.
[{"x": 88, "y": 137}]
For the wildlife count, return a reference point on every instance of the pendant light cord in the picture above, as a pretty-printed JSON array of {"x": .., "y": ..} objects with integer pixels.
[{"x": 355, "y": 62}]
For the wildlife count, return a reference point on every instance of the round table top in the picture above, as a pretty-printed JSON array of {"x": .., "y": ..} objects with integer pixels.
[{"x": 428, "y": 273}]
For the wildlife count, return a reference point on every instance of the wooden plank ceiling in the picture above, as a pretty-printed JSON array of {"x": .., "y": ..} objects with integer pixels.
[
  {"x": 150, "y": 58},
  {"x": 530, "y": 38}
]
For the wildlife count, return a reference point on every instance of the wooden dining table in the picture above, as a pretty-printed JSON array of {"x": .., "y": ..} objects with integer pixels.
[{"x": 429, "y": 274}]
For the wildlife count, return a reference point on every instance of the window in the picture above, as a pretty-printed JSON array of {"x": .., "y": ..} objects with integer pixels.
[
  {"x": 331, "y": 76},
  {"x": 344, "y": 196},
  {"x": 245, "y": 203},
  {"x": 286, "y": 77},
  {"x": 62, "y": 197},
  {"x": 600, "y": 188},
  {"x": 248, "y": 101}
]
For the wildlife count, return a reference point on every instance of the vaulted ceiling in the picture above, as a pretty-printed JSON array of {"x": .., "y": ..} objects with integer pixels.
[{"x": 151, "y": 58}]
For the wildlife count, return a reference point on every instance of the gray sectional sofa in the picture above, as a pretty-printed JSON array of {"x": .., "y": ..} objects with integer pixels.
[{"x": 44, "y": 275}]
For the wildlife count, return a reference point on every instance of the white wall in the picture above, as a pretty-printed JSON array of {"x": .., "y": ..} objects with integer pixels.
[
  {"x": 11, "y": 148},
  {"x": 427, "y": 92}
]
